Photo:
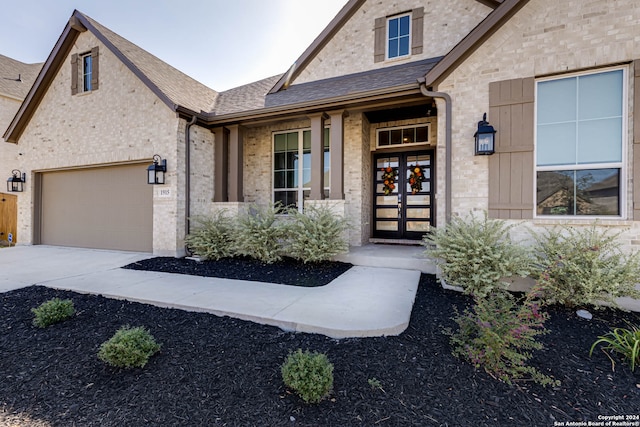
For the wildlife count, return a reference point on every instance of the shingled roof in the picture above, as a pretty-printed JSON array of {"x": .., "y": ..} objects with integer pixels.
[
  {"x": 16, "y": 78},
  {"x": 352, "y": 84},
  {"x": 244, "y": 98}
]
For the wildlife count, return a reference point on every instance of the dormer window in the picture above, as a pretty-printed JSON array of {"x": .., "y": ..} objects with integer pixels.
[
  {"x": 84, "y": 71},
  {"x": 398, "y": 36}
]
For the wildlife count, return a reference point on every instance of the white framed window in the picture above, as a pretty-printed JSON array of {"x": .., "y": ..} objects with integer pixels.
[
  {"x": 87, "y": 72},
  {"x": 398, "y": 36},
  {"x": 292, "y": 167},
  {"x": 581, "y": 142},
  {"x": 402, "y": 135}
]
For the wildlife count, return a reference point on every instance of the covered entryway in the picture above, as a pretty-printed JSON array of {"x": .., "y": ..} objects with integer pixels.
[
  {"x": 103, "y": 208},
  {"x": 8, "y": 219},
  {"x": 403, "y": 207}
]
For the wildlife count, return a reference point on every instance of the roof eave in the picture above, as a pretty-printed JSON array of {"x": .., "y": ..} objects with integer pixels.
[
  {"x": 336, "y": 23},
  {"x": 43, "y": 81},
  {"x": 126, "y": 61},
  {"x": 310, "y": 106},
  {"x": 494, "y": 21}
]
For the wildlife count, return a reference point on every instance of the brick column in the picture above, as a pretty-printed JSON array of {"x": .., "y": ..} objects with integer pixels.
[
  {"x": 336, "y": 154},
  {"x": 236, "y": 161},
  {"x": 317, "y": 156}
]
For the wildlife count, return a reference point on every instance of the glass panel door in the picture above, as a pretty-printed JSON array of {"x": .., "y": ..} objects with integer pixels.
[{"x": 402, "y": 199}]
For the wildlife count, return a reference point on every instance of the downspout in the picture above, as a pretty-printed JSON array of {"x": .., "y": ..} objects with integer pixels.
[
  {"x": 187, "y": 179},
  {"x": 447, "y": 143}
]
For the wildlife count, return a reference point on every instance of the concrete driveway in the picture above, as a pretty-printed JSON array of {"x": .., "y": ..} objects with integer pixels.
[{"x": 22, "y": 266}]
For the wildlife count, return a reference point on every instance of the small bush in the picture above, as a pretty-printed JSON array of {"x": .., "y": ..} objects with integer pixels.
[
  {"x": 584, "y": 267},
  {"x": 128, "y": 348},
  {"x": 310, "y": 375},
  {"x": 476, "y": 254},
  {"x": 260, "y": 234},
  {"x": 623, "y": 341},
  {"x": 499, "y": 336},
  {"x": 52, "y": 311},
  {"x": 316, "y": 235},
  {"x": 213, "y": 238}
]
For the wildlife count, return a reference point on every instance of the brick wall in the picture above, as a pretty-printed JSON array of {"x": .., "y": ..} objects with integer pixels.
[
  {"x": 351, "y": 49},
  {"x": 545, "y": 37},
  {"x": 121, "y": 122}
]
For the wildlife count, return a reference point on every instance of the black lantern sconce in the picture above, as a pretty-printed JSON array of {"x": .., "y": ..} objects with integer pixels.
[
  {"x": 16, "y": 181},
  {"x": 485, "y": 138},
  {"x": 155, "y": 172}
]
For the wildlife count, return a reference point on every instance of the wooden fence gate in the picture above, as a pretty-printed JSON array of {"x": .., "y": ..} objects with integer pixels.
[{"x": 8, "y": 219}]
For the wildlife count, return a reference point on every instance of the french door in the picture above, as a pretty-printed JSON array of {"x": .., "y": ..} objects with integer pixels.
[{"x": 403, "y": 186}]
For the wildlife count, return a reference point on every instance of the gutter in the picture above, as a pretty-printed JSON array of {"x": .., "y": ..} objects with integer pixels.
[
  {"x": 187, "y": 179},
  {"x": 447, "y": 143}
]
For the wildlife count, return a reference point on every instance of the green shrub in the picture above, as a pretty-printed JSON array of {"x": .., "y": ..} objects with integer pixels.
[
  {"x": 213, "y": 237},
  {"x": 260, "y": 234},
  {"x": 499, "y": 335},
  {"x": 310, "y": 375},
  {"x": 316, "y": 235},
  {"x": 584, "y": 267},
  {"x": 623, "y": 341},
  {"x": 128, "y": 348},
  {"x": 476, "y": 254},
  {"x": 52, "y": 311}
]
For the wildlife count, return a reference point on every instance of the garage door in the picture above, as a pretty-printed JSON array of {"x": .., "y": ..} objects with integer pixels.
[{"x": 102, "y": 208}]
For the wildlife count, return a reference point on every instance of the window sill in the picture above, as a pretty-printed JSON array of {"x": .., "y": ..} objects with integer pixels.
[
  {"x": 601, "y": 221},
  {"x": 398, "y": 59}
]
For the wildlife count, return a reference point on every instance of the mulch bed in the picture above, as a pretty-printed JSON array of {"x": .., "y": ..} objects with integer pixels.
[
  {"x": 222, "y": 371},
  {"x": 285, "y": 272}
]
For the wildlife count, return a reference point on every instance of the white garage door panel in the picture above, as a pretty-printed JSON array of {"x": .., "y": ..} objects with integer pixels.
[{"x": 103, "y": 208}]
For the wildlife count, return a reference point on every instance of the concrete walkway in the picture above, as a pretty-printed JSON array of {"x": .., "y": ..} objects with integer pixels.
[{"x": 363, "y": 302}]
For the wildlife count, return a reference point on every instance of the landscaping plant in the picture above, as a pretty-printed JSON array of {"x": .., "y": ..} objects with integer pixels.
[
  {"x": 316, "y": 235},
  {"x": 476, "y": 253},
  {"x": 213, "y": 237},
  {"x": 128, "y": 348},
  {"x": 499, "y": 334},
  {"x": 309, "y": 374},
  {"x": 623, "y": 341},
  {"x": 585, "y": 267},
  {"x": 260, "y": 234},
  {"x": 53, "y": 311}
]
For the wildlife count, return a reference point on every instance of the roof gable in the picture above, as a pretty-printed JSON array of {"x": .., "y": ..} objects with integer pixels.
[
  {"x": 170, "y": 85},
  {"x": 473, "y": 40},
  {"x": 329, "y": 32}
]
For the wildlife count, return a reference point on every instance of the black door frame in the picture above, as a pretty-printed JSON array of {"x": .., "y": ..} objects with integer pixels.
[{"x": 402, "y": 233}]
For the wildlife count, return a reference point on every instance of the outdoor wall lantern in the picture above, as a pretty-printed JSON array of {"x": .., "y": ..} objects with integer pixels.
[
  {"x": 16, "y": 181},
  {"x": 155, "y": 172},
  {"x": 485, "y": 137}
]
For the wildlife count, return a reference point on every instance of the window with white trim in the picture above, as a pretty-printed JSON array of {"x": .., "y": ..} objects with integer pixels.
[
  {"x": 403, "y": 135},
  {"x": 580, "y": 143},
  {"x": 399, "y": 36},
  {"x": 292, "y": 167},
  {"x": 87, "y": 72}
]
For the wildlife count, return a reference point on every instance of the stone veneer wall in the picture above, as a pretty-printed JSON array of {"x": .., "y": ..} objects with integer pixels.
[
  {"x": 446, "y": 22},
  {"x": 121, "y": 122},
  {"x": 545, "y": 37}
]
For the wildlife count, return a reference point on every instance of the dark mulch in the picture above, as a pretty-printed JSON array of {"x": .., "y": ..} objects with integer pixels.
[
  {"x": 222, "y": 371},
  {"x": 286, "y": 272}
]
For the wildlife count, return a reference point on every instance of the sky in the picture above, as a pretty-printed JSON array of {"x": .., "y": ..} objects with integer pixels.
[{"x": 221, "y": 43}]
